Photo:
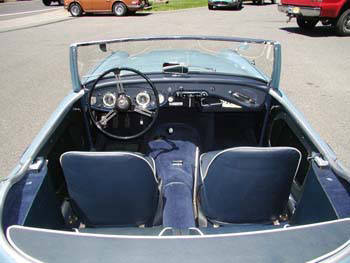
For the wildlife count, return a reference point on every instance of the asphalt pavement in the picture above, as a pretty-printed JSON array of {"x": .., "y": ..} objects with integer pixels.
[
  {"x": 34, "y": 68},
  {"x": 12, "y": 10}
]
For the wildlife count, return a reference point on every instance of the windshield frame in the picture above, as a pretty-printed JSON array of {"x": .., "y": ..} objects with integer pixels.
[{"x": 276, "y": 70}]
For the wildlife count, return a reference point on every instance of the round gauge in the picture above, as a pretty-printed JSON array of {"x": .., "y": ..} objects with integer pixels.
[
  {"x": 143, "y": 99},
  {"x": 161, "y": 98},
  {"x": 109, "y": 100}
]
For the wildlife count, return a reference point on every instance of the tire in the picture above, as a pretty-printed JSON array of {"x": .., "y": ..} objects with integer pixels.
[
  {"x": 120, "y": 9},
  {"x": 210, "y": 7},
  {"x": 47, "y": 2},
  {"x": 306, "y": 23},
  {"x": 342, "y": 27},
  {"x": 75, "y": 10}
]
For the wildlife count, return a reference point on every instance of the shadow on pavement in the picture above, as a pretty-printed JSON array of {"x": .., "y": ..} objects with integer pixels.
[
  {"x": 244, "y": 3},
  {"x": 226, "y": 9},
  {"x": 319, "y": 31},
  {"x": 112, "y": 15}
]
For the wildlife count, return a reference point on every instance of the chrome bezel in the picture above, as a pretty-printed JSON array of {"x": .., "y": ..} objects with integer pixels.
[
  {"x": 148, "y": 99},
  {"x": 105, "y": 103}
]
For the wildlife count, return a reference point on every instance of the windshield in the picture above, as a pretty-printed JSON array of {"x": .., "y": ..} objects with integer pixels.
[{"x": 237, "y": 57}]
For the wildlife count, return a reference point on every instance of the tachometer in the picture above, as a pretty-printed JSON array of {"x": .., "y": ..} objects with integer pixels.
[{"x": 143, "y": 99}]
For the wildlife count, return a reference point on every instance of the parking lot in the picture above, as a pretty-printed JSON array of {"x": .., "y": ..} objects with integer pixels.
[{"x": 35, "y": 65}]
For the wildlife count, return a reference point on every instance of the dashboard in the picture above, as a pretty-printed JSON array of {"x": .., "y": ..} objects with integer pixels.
[{"x": 206, "y": 96}]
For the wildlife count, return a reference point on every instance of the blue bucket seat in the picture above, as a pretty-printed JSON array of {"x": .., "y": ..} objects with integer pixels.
[
  {"x": 111, "y": 188},
  {"x": 247, "y": 184}
]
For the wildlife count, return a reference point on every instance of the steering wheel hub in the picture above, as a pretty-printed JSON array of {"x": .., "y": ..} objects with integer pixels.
[{"x": 123, "y": 103}]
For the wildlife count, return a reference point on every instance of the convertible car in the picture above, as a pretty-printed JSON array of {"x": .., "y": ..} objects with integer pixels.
[{"x": 176, "y": 149}]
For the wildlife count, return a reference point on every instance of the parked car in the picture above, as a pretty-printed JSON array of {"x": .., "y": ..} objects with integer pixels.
[
  {"x": 236, "y": 4},
  {"x": 117, "y": 7},
  {"x": 48, "y": 2},
  {"x": 260, "y": 2},
  {"x": 176, "y": 149},
  {"x": 308, "y": 13}
]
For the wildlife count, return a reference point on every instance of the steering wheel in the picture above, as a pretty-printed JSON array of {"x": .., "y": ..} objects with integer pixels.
[{"x": 123, "y": 103}]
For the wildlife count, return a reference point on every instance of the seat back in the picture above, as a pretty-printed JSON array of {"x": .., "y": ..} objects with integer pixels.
[
  {"x": 111, "y": 188},
  {"x": 247, "y": 184}
]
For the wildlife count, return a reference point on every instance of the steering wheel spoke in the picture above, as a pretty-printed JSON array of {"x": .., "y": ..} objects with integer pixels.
[
  {"x": 119, "y": 83},
  {"x": 107, "y": 117},
  {"x": 123, "y": 104},
  {"x": 144, "y": 111}
]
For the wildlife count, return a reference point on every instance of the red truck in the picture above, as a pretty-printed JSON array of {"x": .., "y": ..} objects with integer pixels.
[{"x": 309, "y": 12}]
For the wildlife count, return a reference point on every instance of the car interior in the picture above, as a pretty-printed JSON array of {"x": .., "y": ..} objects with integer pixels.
[{"x": 176, "y": 158}]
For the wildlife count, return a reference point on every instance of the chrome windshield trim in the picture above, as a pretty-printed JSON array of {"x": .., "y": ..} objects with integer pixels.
[{"x": 77, "y": 84}]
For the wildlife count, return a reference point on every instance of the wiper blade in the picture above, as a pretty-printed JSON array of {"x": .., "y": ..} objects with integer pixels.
[{"x": 183, "y": 68}]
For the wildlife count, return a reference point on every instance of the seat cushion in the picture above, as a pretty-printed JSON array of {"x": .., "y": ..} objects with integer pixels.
[
  {"x": 111, "y": 188},
  {"x": 247, "y": 184}
]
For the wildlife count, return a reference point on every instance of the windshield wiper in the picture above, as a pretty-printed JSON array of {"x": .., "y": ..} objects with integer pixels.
[{"x": 183, "y": 68}]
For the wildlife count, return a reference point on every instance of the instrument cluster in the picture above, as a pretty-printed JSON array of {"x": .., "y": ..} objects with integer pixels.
[
  {"x": 104, "y": 99},
  {"x": 209, "y": 97}
]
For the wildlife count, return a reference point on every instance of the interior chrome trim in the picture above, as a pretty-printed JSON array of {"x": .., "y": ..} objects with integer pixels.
[
  {"x": 197, "y": 229},
  {"x": 291, "y": 228},
  {"x": 195, "y": 183},
  {"x": 153, "y": 168},
  {"x": 330, "y": 254},
  {"x": 163, "y": 230}
]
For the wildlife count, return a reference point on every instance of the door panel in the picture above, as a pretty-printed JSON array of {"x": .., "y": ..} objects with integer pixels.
[
  {"x": 102, "y": 5},
  {"x": 86, "y": 4}
]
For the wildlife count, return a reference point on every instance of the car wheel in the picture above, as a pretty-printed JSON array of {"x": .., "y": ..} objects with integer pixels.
[
  {"x": 120, "y": 9},
  {"x": 47, "y": 2},
  {"x": 306, "y": 23},
  {"x": 342, "y": 26},
  {"x": 210, "y": 7},
  {"x": 75, "y": 10}
]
